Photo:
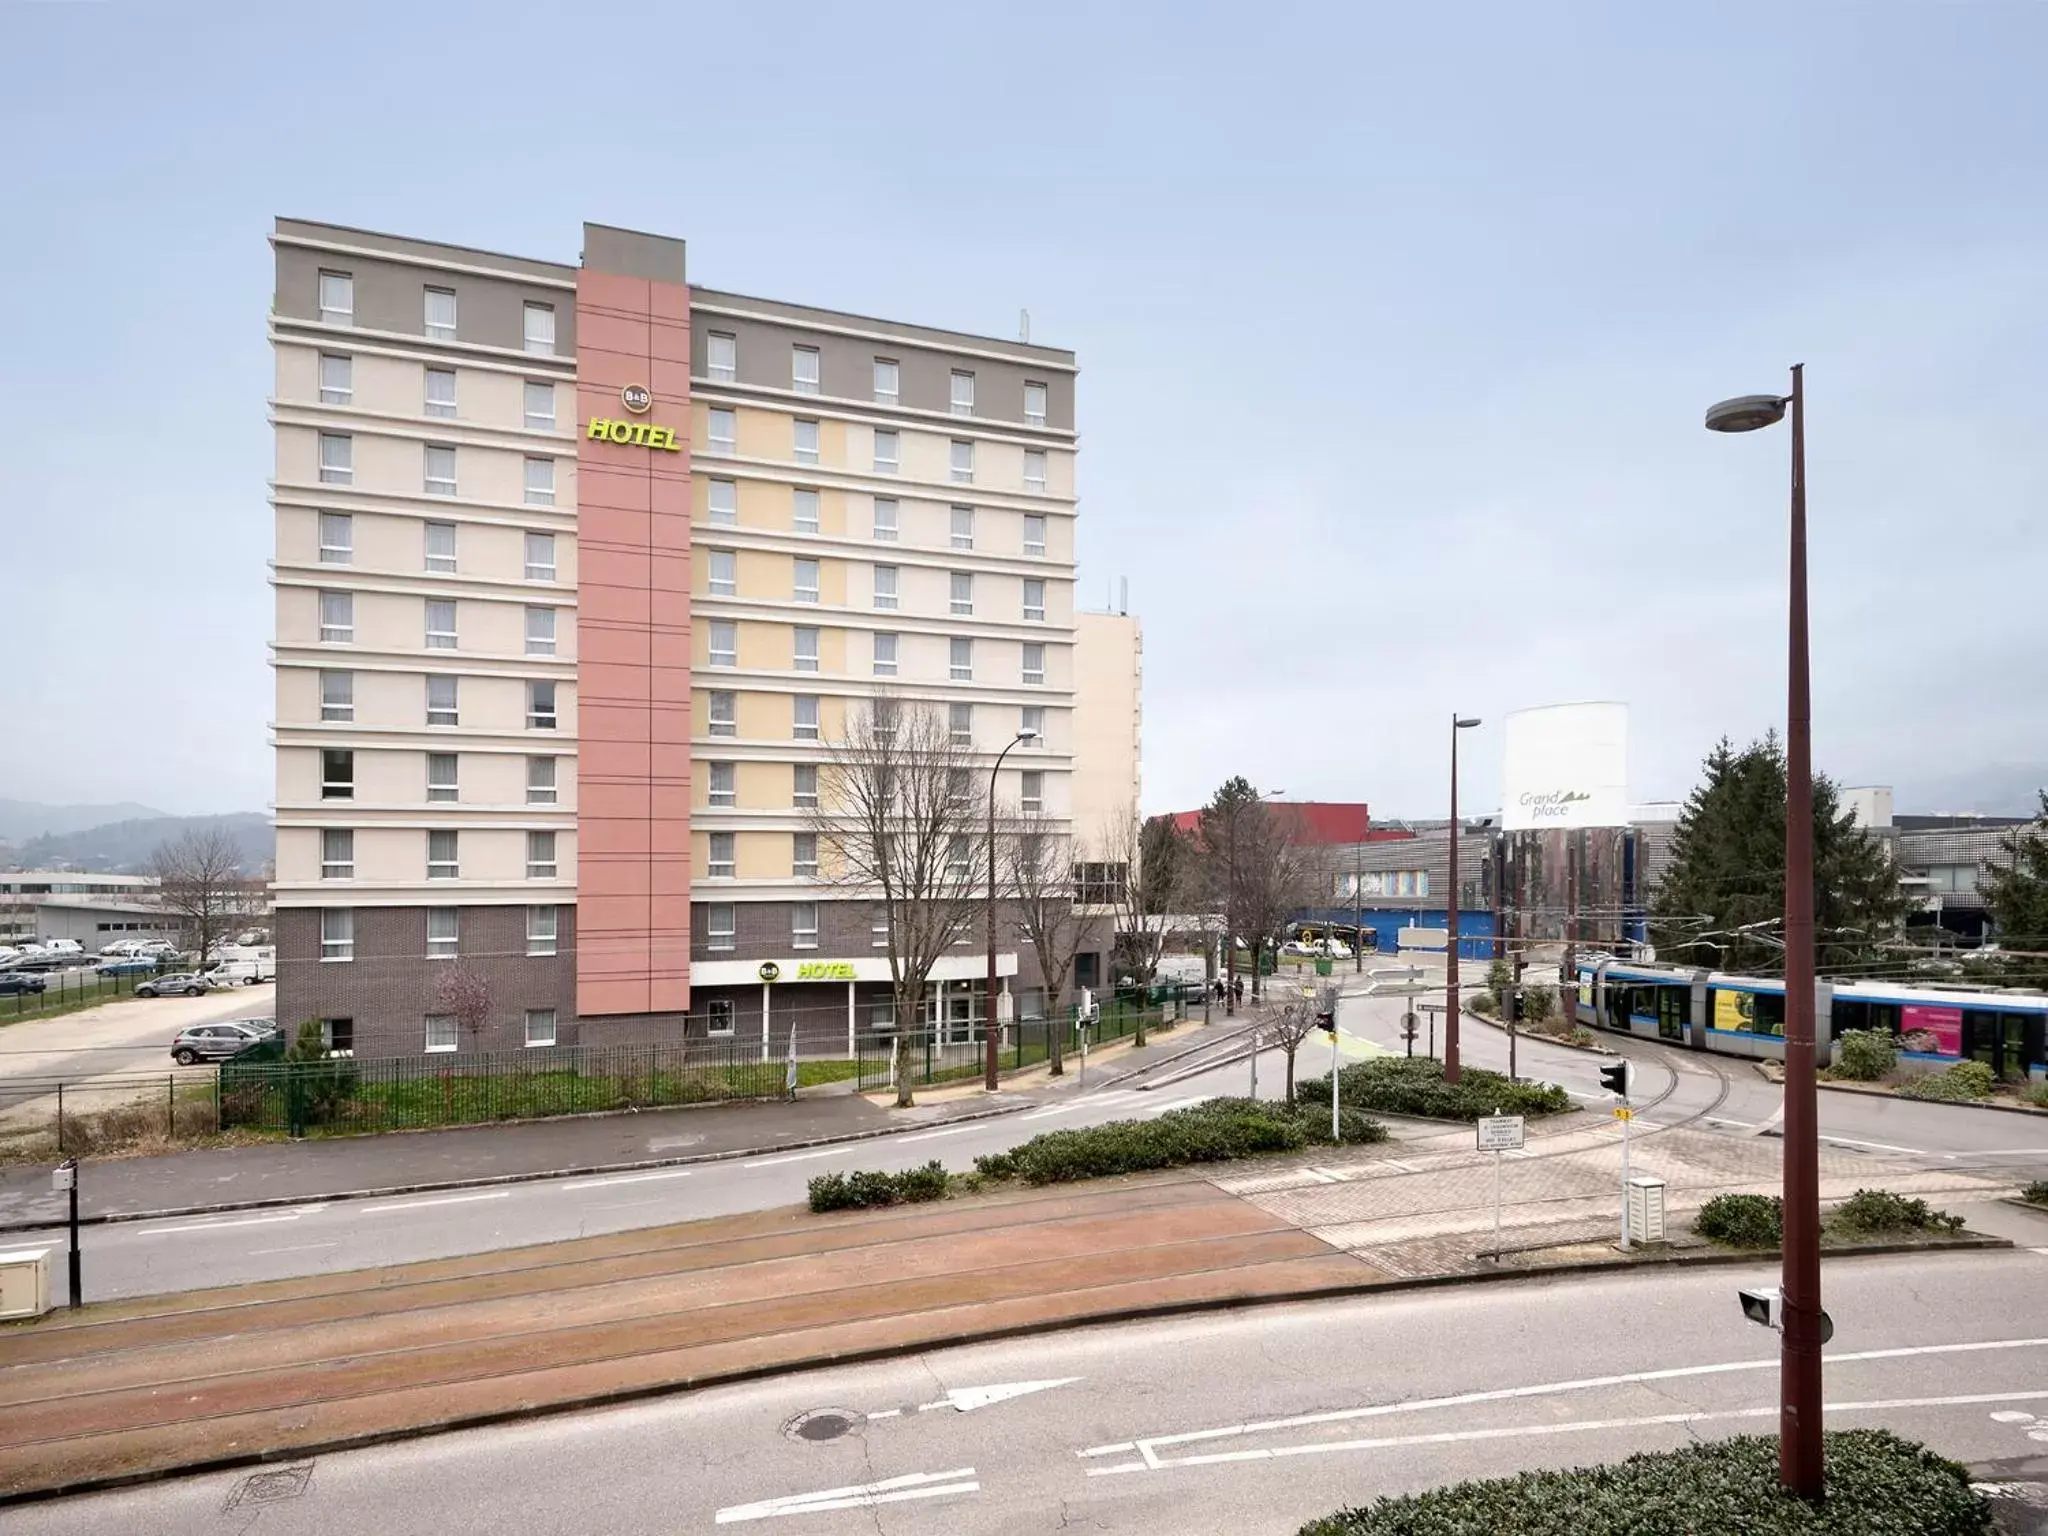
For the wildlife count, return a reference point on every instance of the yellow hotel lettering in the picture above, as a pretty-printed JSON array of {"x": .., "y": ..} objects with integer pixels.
[
  {"x": 640, "y": 434},
  {"x": 825, "y": 970}
]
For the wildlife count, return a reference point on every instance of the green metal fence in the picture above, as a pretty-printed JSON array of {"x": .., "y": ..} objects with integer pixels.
[
  {"x": 959, "y": 1054},
  {"x": 65, "y": 991}
]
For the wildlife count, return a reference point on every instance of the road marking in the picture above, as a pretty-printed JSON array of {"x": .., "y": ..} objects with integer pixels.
[
  {"x": 914, "y": 1485},
  {"x": 421, "y": 1205},
  {"x": 1395, "y": 1162},
  {"x": 1543, "y": 1389},
  {"x": 2038, "y": 1250},
  {"x": 215, "y": 1226},
  {"x": 296, "y": 1248},
  {"x": 1882, "y": 1146},
  {"x": 794, "y": 1157},
  {"x": 967, "y": 1399},
  {"x": 1173, "y": 1104},
  {"x": 629, "y": 1178},
  {"x": 887, "y": 1413},
  {"x": 952, "y": 1130},
  {"x": 1320, "y": 1175}
]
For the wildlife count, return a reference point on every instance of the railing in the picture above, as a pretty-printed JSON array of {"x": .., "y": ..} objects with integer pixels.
[
  {"x": 947, "y": 1055},
  {"x": 44, "y": 1119},
  {"x": 65, "y": 991}
]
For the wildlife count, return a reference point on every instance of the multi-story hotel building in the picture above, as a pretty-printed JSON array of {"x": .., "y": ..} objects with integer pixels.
[{"x": 579, "y": 570}]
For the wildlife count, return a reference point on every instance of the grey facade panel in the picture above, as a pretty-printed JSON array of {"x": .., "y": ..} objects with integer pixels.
[
  {"x": 629, "y": 253},
  {"x": 391, "y": 297},
  {"x": 422, "y": 250}
]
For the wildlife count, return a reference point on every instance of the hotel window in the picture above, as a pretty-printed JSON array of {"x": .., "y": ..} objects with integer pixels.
[
  {"x": 337, "y": 380},
  {"x": 885, "y": 655},
  {"x": 806, "y": 717},
  {"x": 440, "y": 625},
  {"x": 540, "y": 329},
  {"x": 1034, "y": 470},
  {"x": 721, "y": 357},
  {"x": 804, "y": 511},
  {"x": 963, "y": 527},
  {"x": 1034, "y": 663},
  {"x": 444, "y": 932},
  {"x": 337, "y": 933},
  {"x": 540, "y": 557},
  {"x": 441, "y": 709},
  {"x": 878, "y": 935},
  {"x": 888, "y": 452},
  {"x": 441, "y": 1032},
  {"x": 1034, "y": 405},
  {"x": 540, "y": 856},
  {"x": 723, "y": 434},
  {"x": 803, "y": 370},
  {"x": 885, "y": 715},
  {"x": 540, "y": 706},
  {"x": 803, "y": 925},
  {"x": 337, "y": 299},
  {"x": 440, "y": 315},
  {"x": 963, "y": 462},
  {"x": 960, "y": 724},
  {"x": 885, "y": 586},
  {"x": 540, "y": 482},
  {"x": 722, "y": 499},
  {"x": 803, "y": 792},
  {"x": 441, "y": 547},
  {"x": 962, "y": 584},
  {"x": 337, "y": 853},
  {"x": 1034, "y": 600},
  {"x": 337, "y": 696},
  {"x": 886, "y": 381},
  {"x": 804, "y": 581},
  {"x": 441, "y": 392},
  {"x": 441, "y": 784},
  {"x": 961, "y": 664},
  {"x": 337, "y": 618},
  {"x": 440, "y": 469},
  {"x": 1031, "y": 791},
  {"x": 963, "y": 393},
  {"x": 721, "y": 713},
  {"x": 540, "y": 405},
  {"x": 337, "y": 774},
  {"x": 542, "y": 926},
  {"x": 725, "y": 643},
  {"x": 442, "y": 863},
  {"x": 540, "y": 1026},
  {"x": 805, "y": 648},
  {"x": 1034, "y": 533},
  {"x": 337, "y": 538},
  {"x": 540, "y": 631},
  {"x": 719, "y": 1013},
  {"x": 540, "y": 781},
  {"x": 337, "y": 459},
  {"x": 959, "y": 859},
  {"x": 885, "y": 519},
  {"x": 1031, "y": 722},
  {"x": 724, "y": 785},
  {"x": 725, "y": 573},
  {"x": 719, "y": 928},
  {"x": 720, "y": 866},
  {"x": 803, "y": 856},
  {"x": 805, "y": 446}
]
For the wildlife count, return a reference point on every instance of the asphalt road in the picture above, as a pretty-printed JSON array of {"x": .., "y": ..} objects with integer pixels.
[{"x": 1239, "y": 1423}]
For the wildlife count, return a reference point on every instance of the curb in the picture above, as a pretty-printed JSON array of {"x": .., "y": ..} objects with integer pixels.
[
  {"x": 959, "y": 1339},
  {"x": 272, "y": 1202},
  {"x": 1885, "y": 1093},
  {"x": 1540, "y": 1038}
]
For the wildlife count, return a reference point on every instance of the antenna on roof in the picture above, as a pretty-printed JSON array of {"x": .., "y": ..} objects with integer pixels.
[{"x": 1023, "y": 325}]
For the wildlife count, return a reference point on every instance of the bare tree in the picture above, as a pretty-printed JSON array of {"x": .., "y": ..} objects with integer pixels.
[
  {"x": 1038, "y": 869},
  {"x": 199, "y": 877},
  {"x": 1149, "y": 882},
  {"x": 463, "y": 993},
  {"x": 1256, "y": 870},
  {"x": 1297, "y": 1019},
  {"x": 901, "y": 813}
]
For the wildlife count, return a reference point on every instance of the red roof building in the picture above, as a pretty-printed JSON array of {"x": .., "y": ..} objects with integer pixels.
[{"x": 1318, "y": 823}]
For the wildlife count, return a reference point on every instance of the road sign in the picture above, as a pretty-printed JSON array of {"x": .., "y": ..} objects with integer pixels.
[
  {"x": 1395, "y": 972},
  {"x": 1425, "y": 938},
  {"x": 1500, "y": 1133},
  {"x": 1623, "y": 1112},
  {"x": 63, "y": 1176},
  {"x": 1401, "y": 989}
]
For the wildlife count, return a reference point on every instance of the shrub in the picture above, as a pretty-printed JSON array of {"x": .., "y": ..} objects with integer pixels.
[
  {"x": 1742, "y": 1221},
  {"x": 1878, "y": 1485},
  {"x": 1204, "y": 1133},
  {"x": 1499, "y": 977},
  {"x": 1414, "y": 1085},
  {"x": 868, "y": 1187},
  {"x": 1538, "y": 1003},
  {"x": 2037, "y": 1095},
  {"x": 1866, "y": 1055},
  {"x": 1876, "y": 1211},
  {"x": 2036, "y": 1193},
  {"x": 1964, "y": 1081},
  {"x": 1580, "y": 1035},
  {"x": 1484, "y": 1005}
]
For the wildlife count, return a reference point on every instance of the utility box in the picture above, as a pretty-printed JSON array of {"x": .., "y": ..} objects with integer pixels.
[
  {"x": 24, "y": 1282},
  {"x": 1646, "y": 1210}
]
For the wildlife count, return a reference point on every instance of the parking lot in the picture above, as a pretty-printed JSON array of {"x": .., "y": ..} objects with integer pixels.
[{"x": 118, "y": 1038}]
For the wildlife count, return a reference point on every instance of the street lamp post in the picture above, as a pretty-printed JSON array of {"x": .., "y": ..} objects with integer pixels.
[
  {"x": 1799, "y": 1373},
  {"x": 991, "y": 1029},
  {"x": 1452, "y": 904}
]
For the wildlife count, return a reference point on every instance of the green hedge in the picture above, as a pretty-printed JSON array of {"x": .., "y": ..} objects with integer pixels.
[
  {"x": 1877, "y": 1485},
  {"x": 1414, "y": 1085},
  {"x": 1758, "y": 1221},
  {"x": 1742, "y": 1221},
  {"x": 1214, "y": 1132},
  {"x": 1879, "y": 1212},
  {"x": 1963, "y": 1081},
  {"x": 1866, "y": 1055},
  {"x": 2036, "y": 1193},
  {"x": 849, "y": 1191}
]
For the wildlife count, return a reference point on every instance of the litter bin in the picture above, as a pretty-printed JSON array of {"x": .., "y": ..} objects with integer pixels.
[{"x": 1323, "y": 966}]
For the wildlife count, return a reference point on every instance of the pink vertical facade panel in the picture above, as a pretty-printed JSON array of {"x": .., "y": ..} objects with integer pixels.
[{"x": 633, "y": 641}]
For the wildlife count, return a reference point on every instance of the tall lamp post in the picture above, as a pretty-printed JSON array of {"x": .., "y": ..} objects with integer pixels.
[
  {"x": 1452, "y": 903},
  {"x": 1799, "y": 1370},
  {"x": 988, "y": 1080}
]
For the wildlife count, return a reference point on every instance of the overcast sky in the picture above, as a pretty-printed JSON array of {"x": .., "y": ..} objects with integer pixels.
[{"x": 1395, "y": 325}]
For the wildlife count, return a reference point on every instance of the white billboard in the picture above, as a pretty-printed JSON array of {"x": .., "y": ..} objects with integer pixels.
[{"x": 1566, "y": 765}]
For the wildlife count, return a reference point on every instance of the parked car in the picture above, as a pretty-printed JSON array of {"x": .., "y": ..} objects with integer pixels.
[
  {"x": 217, "y": 1042},
  {"x": 14, "y": 983},
  {"x": 68, "y": 950},
  {"x": 127, "y": 965},
  {"x": 177, "y": 984},
  {"x": 229, "y": 973}
]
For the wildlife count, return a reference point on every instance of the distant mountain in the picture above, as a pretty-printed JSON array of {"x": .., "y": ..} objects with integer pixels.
[
  {"x": 2002, "y": 789},
  {"x": 125, "y": 847},
  {"x": 21, "y": 820}
]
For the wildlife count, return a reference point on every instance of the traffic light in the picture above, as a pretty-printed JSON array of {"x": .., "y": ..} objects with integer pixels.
[
  {"x": 1615, "y": 1079},
  {"x": 1327, "y": 1022}
]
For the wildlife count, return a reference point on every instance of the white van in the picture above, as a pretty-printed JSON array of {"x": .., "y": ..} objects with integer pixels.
[
  {"x": 68, "y": 949},
  {"x": 243, "y": 967}
]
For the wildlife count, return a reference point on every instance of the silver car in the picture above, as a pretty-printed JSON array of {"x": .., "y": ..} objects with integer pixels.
[
  {"x": 177, "y": 984},
  {"x": 217, "y": 1042}
]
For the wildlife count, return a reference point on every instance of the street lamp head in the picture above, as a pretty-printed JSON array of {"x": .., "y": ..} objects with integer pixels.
[
  {"x": 1027, "y": 734},
  {"x": 1746, "y": 413},
  {"x": 1464, "y": 724}
]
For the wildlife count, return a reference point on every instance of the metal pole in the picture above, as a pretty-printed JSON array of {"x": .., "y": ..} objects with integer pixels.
[
  {"x": 1627, "y": 1118},
  {"x": 77, "y": 1277},
  {"x": 1336, "y": 1082},
  {"x": 989, "y": 1063},
  {"x": 1496, "y": 1205},
  {"x": 1451, "y": 902},
  {"x": 1514, "y": 1011},
  {"x": 1358, "y": 909},
  {"x": 1230, "y": 943},
  {"x": 1799, "y": 1410}
]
